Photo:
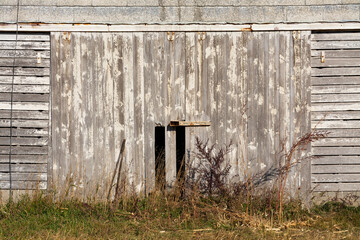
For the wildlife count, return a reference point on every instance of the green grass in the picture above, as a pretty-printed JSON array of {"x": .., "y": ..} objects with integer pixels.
[{"x": 163, "y": 217}]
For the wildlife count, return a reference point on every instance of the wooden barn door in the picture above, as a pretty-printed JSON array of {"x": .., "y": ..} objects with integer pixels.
[
  {"x": 24, "y": 110},
  {"x": 336, "y": 109}
]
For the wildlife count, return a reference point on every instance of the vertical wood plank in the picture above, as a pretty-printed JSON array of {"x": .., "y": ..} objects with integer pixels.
[
  {"x": 305, "y": 167},
  {"x": 272, "y": 100},
  {"x": 138, "y": 110},
  {"x": 108, "y": 88},
  {"x": 243, "y": 106},
  {"x": 149, "y": 124},
  {"x": 128, "y": 71},
  {"x": 232, "y": 130},
  {"x": 55, "y": 109},
  {"x": 118, "y": 94},
  {"x": 190, "y": 81}
]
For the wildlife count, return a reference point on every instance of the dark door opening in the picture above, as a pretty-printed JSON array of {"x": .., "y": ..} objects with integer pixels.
[
  {"x": 180, "y": 153},
  {"x": 160, "y": 177}
]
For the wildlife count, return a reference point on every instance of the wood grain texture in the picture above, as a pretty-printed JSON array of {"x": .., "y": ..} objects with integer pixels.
[
  {"x": 29, "y": 101},
  {"x": 325, "y": 178},
  {"x": 253, "y": 87},
  {"x": 336, "y": 187},
  {"x": 340, "y": 36}
]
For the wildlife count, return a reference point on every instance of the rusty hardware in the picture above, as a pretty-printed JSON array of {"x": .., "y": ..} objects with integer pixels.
[
  {"x": 67, "y": 36},
  {"x": 201, "y": 36},
  {"x": 178, "y": 123},
  {"x": 170, "y": 36},
  {"x": 322, "y": 58},
  {"x": 296, "y": 35},
  {"x": 38, "y": 58}
]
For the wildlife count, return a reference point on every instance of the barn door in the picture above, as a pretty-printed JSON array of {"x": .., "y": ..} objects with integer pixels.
[
  {"x": 24, "y": 110},
  {"x": 336, "y": 104}
]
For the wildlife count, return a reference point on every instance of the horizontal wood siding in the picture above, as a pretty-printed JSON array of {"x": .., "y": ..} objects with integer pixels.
[
  {"x": 29, "y": 101},
  {"x": 336, "y": 109},
  {"x": 252, "y": 87}
]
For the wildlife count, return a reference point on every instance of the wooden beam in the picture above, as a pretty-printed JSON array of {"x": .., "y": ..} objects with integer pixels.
[
  {"x": 177, "y": 123},
  {"x": 51, "y": 27}
]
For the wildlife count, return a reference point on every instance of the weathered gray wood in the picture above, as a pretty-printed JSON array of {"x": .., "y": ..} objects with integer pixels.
[
  {"x": 25, "y": 37},
  {"x": 24, "y": 106},
  {"x": 25, "y": 88},
  {"x": 316, "y": 107},
  {"x": 252, "y": 142},
  {"x": 44, "y": 54},
  {"x": 343, "y": 132},
  {"x": 335, "y": 169},
  {"x": 335, "y": 80},
  {"x": 341, "y": 36},
  {"x": 24, "y": 141},
  {"x": 194, "y": 60},
  {"x": 30, "y": 102},
  {"x": 262, "y": 101},
  {"x": 128, "y": 71},
  {"x": 24, "y": 97},
  {"x": 25, "y": 45},
  {"x": 4, "y": 131},
  {"x": 305, "y": 115},
  {"x": 37, "y": 159},
  {"x": 24, "y": 150},
  {"x": 5, "y": 114},
  {"x": 276, "y": 108},
  {"x": 19, "y": 71},
  {"x": 23, "y": 176},
  {"x": 335, "y": 45},
  {"x": 335, "y": 178},
  {"x": 336, "y": 150},
  {"x": 336, "y": 98},
  {"x": 138, "y": 45},
  {"x": 55, "y": 110},
  {"x": 335, "y": 62},
  {"x": 29, "y": 168},
  {"x": 175, "y": 99},
  {"x": 25, "y": 123},
  {"x": 337, "y": 142},
  {"x": 149, "y": 118},
  {"x": 118, "y": 28},
  {"x": 24, "y": 62},
  {"x": 335, "y": 89},
  {"x": 340, "y": 115},
  {"x": 341, "y": 53},
  {"x": 336, "y": 160},
  {"x": 336, "y": 124},
  {"x": 233, "y": 74},
  {"x": 23, "y": 185},
  {"x": 108, "y": 87},
  {"x": 25, "y": 80},
  {"x": 336, "y": 71},
  {"x": 336, "y": 187}
]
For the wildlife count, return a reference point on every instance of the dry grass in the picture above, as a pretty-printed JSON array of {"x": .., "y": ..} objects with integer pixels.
[
  {"x": 164, "y": 216},
  {"x": 193, "y": 210}
]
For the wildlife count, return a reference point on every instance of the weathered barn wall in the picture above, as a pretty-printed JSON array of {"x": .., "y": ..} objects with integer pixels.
[
  {"x": 180, "y": 11},
  {"x": 24, "y": 110},
  {"x": 112, "y": 86},
  {"x": 335, "y": 101}
]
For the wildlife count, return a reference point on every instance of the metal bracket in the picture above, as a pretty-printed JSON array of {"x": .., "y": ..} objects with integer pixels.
[
  {"x": 202, "y": 36},
  {"x": 177, "y": 123},
  {"x": 322, "y": 57},
  {"x": 38, "y": 58},
  {"x": 170, "y": 36}
]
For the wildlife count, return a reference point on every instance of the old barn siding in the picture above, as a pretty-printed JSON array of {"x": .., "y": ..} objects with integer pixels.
[
  {"x": 24, "y": 110},
  {"x": 335, "y": 100},
  {"x": 253, "y": 87}
]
